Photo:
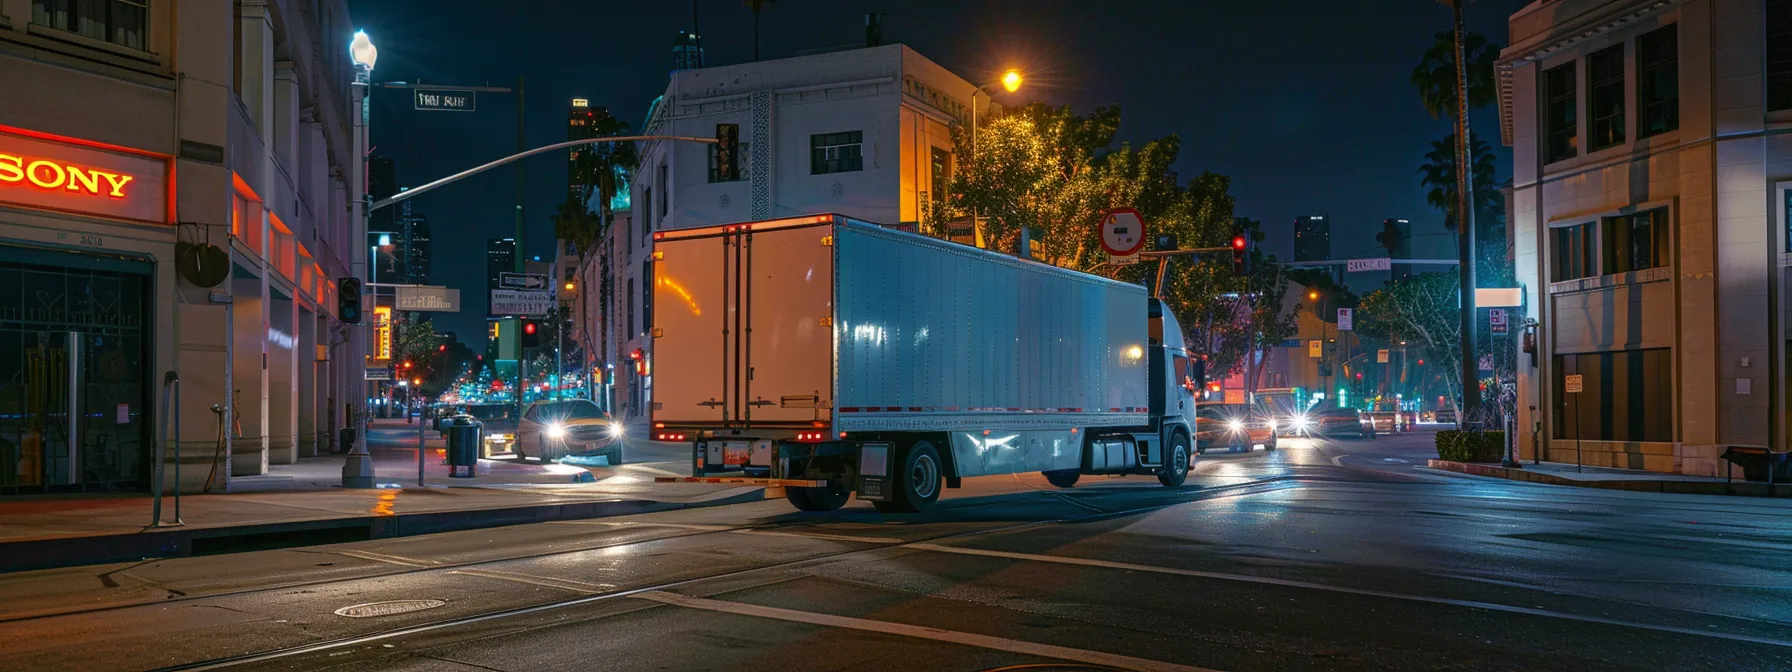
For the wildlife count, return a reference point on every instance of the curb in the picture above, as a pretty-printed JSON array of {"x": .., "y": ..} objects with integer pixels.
[
  {"x": 1743, "y": 488},
  {"x": 176, "y": 542}
]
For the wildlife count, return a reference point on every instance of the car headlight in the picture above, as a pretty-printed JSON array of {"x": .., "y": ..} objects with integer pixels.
[
  {"x": 1235, "y": 425},
  {"x": 556, "y": 432},
  {"x": 615, "y": 430},
  {"x": 1301, "y": 422}
]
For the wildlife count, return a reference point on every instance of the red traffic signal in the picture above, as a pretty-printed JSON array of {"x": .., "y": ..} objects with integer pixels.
[
  {"x": 442, "y": 348},
  {"x": 1240, "y": 252},
  {"x": 529, "y": 328}
]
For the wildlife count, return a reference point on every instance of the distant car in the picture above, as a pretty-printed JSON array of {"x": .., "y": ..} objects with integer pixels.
[
  {"x": 1338, "y": 422},
  {"x": 1445, "y": 416},
  {"x": 1387, "y": 422},
  {"x": 550, "y": 430},
  {"x": 1233, "y": 427}
]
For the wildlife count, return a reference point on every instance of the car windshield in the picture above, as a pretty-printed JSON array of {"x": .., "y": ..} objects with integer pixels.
[{"x": 575, "y": 409}]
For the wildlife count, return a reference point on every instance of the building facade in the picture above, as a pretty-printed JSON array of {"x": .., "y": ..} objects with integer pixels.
[
  {"x": 1651, "y": 177},
  {"x": 500, "y": 257},
  {"x": 1312, "y": 238},
  {"x": 863, "y": 132},
  {"x": 119, "y": 278}
]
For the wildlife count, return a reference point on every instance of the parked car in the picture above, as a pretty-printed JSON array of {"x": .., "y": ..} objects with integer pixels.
[
  {"x": 1387, "y": 422},
  {"x": 1233, "y": 427},
  {"x": 1337, "y": 422},
  {"x": 1445, "y": 416},
  {"x": 551, "y": 430}
]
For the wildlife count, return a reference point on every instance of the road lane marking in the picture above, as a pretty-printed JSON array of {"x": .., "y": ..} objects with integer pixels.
[
  {"x": 388, "y": 559},
  {"x": 1127, "y": 566},
  {"x": 580, "y": 587},
  {"x": 822, "y": 536},
  {"x": 630, "y": 523},
  {"x": 919, "y": 632}
]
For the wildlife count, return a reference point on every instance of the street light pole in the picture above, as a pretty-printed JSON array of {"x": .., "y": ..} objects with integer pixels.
[{"x": 357, "y": 469}]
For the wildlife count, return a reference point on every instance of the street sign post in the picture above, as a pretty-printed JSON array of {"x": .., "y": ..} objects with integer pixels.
[
  {"x": 449, "y": 100},
  {"x": 1496, "y": 320},
  {"x": 1572, "y": 384},
  {"x": 1360, "y": 265},
  {"x": 1345, "y": 320},
  {"x": 1122, "y": 234},
  {"x": 429, "y": 299}
]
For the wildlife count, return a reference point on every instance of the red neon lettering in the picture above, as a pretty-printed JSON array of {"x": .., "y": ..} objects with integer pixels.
[{"x": 49, "y": 174}]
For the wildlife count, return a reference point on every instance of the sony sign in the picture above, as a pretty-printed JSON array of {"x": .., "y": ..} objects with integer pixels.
[{"x": 50, "y": 172}]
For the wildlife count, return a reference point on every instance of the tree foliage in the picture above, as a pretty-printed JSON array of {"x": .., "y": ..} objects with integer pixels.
[
  {"x": 1053, "y": 173},
  {"x": 1435, "y": 75},
  {"x": 1438, "y": 174},
  {"x": 1423, "y": 309}
]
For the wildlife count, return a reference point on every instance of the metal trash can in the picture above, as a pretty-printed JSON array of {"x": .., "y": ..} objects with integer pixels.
[{"x": 463, "y": 445}]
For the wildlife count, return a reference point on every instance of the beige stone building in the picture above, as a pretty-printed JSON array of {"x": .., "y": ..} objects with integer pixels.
[{"x": 1652, "y": 162}]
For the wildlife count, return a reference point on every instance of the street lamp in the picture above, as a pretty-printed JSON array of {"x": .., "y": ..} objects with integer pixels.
[
  {"x": 357, "y": 468},
  {"x": 1011, "y": 81}
]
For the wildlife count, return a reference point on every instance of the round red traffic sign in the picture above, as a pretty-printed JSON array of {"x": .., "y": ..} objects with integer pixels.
[{"x": 1122, "y": 232}]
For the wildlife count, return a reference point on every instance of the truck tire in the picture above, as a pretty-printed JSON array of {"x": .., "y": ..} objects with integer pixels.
[
  {"x": 1063, "y": 478},
  {"x": 614, "y": 457},
  {"x": 823, "y": 499},
  {"x": 1175, "y": 472},
  {"x": 918, "y": 480}
]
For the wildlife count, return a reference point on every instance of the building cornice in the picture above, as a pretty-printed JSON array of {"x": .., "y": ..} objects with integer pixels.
[{"x": 1565, "y": 33}]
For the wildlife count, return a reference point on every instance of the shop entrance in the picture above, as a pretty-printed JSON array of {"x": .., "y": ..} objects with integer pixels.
[{"x": 75, "y": 394}]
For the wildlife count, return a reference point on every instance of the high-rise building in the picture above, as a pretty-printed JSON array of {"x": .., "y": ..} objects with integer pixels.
[
  {"x": 500, "y": 257},
  {"x": 687, "y": 51},
  {"x": 382, "y": 182},
  {"x": 417, "y": 265},
  {"x": 581, "y": 120},
  {"x": 1402, "y": 230},
  {"x": 1312, "y": 238}
]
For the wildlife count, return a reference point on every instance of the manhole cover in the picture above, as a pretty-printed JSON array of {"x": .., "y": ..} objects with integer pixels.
[{"x": 392, "y": 608}]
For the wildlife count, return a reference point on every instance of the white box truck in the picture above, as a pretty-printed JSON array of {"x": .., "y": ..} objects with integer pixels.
[{"x": 828, "y": 356}]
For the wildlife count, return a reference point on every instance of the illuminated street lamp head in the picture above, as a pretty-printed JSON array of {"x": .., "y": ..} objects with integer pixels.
[
  {"x": 1011, "y": 80},
  {"x": 385, "y": 240},
  {"x": 1313, "y": 295},
  {"x": 569, "y": 286},
  {"x": 362, "y": 50}
]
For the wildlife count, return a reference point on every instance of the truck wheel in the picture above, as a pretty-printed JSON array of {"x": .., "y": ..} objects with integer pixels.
[
  {"x": 614, "y": 457},
  {"x": 1175, "y": 472},
  {"x": 828, "y": 498},
  {"x": 1063, "y": 478},
  {"x": 919, "y": 480}
]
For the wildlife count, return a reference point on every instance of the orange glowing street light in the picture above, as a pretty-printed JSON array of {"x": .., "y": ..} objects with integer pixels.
[{"x": 1011, "y": 80}]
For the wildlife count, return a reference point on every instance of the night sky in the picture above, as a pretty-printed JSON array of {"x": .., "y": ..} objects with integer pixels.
[{"x": 1304, "y": 103}]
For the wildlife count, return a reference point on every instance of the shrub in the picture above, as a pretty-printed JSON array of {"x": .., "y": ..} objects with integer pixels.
[{"x": 1460, "y": 446}]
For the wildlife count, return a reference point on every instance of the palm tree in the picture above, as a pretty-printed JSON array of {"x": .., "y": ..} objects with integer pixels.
[
  {"x": 1439, "y": 174},
  {"x": 606, "y": 167},
  {"x": 1435, "y": 75},
  {"x": 756, "y": 6}
]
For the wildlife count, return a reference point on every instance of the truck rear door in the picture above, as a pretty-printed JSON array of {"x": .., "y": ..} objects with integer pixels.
[{"x": 743, "y": 325}]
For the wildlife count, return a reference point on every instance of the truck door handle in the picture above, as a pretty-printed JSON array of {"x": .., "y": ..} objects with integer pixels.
[
  {"x": 711, "y": 403},
  {"x": 761, "y": 402}
]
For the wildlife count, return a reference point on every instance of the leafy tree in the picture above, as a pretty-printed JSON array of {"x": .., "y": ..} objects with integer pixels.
[{"x": 1422, "y": 309}]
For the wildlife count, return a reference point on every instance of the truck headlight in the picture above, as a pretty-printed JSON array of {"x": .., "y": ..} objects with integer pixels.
[{"x": 556, "y": 432}]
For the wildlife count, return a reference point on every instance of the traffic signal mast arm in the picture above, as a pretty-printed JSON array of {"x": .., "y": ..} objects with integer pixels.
[{"x": 409, "y": 193}]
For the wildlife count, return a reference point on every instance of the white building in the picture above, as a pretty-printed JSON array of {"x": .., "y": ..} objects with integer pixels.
[
  {"x": 1649, "y": 219},
  {"x": 107, "y": 103},
  {"x": 865, "y": 133}
]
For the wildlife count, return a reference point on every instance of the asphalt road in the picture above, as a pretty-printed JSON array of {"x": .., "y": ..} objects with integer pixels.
[{"x": 1321, "y": 555}]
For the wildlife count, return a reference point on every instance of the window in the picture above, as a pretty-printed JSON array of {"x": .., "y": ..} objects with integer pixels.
[
  {"x": 1779, "y": 54},
  {"x": 1635, "y": 242},
  {"x": 630, "y": 329},
  {"x": 121, "y": 22},
  {"x": 1605, "y": 98},
  {"x": 1626, "y": 395},
  {"x": 942, "y": 173},
  {"x": 1560, "y": 132},
  {"x": 1657, "y": 82},
  {"x": 1573, "y": 252},
  {"x": 646, "y": 213},
  {"x": 741, "y": 152},
  {"x": 665, "y": 195},
  {"x": 835, "y": 153}
]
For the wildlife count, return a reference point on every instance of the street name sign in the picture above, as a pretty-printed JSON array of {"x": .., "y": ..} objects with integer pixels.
[
  {"x": 450, "y": 100},
  {"x": 378, "y": 373},
  {"x": 522, "y": 281},
  {"x": 1360, "y": 265},
  {"x": 521, "y": 303},
  {"x": 1345, "y": 316},
  {"x": 431, "y": 299}
]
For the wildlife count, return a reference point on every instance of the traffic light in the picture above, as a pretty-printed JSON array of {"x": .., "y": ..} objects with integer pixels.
[
  {"x": 531, "y": 333},
  {"x": 1240, "y": 252},
  {"x": 727, "y": 152},
  {"x": 348, "y": 300},
  {"x": 442, "y": 348}
]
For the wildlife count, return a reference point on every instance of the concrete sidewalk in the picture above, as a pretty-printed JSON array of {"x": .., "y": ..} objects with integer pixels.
[
  {"x": 1557, "y": 473},
  {"x": 56, "y": 531}
]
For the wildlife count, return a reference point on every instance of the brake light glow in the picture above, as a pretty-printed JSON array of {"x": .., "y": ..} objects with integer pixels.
[
  {"x": 811, "y": 436},
  {"x": 668, "y": 436}
]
